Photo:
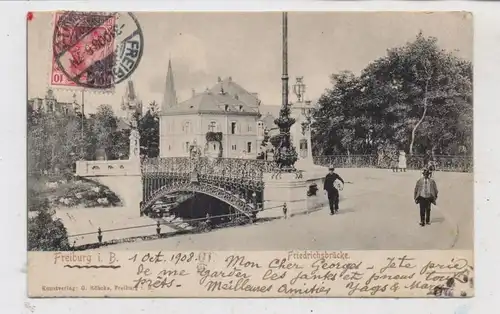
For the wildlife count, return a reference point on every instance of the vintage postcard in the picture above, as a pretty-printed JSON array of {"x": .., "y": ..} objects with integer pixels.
[{"x": 269, "y": 154}]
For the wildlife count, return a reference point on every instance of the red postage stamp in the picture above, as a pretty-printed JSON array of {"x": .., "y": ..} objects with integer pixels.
[{"x": 83, "y": 49}]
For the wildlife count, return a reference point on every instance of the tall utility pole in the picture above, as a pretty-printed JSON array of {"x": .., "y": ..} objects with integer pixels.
[
  {"x": 285, "y": 154},
  {"x": 284, "y": 76},
  {"x": 83, "y": 123},
  {"x": 83, "y": 102}
]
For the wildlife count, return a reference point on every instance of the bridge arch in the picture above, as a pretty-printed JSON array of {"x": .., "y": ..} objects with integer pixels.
[{"x": 242, "y": 204}]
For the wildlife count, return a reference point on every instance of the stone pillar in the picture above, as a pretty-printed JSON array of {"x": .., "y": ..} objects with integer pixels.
[
  {"x": 133, "y": 177},
  {"x": 297, "y": 135},
  {"x": 286, "y": 188},
  {"x": 135, "y": 148},
  {"x": 308, "y": 160},
  {"x": 292, "y": 190}
]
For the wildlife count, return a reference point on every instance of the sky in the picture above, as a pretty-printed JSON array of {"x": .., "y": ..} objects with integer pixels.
[{"x": 247, "y": 47}]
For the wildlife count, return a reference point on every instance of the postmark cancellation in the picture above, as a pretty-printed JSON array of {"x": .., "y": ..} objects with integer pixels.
[{"x": 94, "y": 50}]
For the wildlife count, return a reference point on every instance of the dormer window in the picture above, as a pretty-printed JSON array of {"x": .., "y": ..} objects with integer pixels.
[{"x": 212, "y": 126}]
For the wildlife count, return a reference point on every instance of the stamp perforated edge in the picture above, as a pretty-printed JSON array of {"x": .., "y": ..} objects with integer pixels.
[{"x": 66, "y": 88}]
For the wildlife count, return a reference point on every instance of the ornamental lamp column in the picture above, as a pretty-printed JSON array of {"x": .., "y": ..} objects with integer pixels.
[{"x": 285, "y": 154}]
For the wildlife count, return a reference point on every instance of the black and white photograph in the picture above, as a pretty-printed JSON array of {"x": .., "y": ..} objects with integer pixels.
[{"x": 245, "y": 131}]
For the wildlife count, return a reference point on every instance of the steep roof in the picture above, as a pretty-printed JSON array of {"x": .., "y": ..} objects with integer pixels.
[
  {"x": 235, "y": 90},
  {"x": 169, "y": 96},
  {"x": 213, "y": 103},
  {"x": 130, "y": 91},
  {"x": 274, "y": 110}
]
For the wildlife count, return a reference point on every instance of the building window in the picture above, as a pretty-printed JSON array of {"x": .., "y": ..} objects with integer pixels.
[
  {"x": 186, "y": 147},
  {"x": 233, "y": 147},
  {"x": 212, "y": 126},
  {"x": 241, "y": 108},
  {"x": 249, "y": 127},
  {"x": 169, "y": 147},
  {"x": 303, "y": 148},
  {"x": 226, "y": 107},
  {"x": 233, "y": 127},
  {"x": 249, "y": 147},
  {"x": 260, "y": 129},
  {"x": 303, "y": 144},
  {"x": 186, "y": 127}
]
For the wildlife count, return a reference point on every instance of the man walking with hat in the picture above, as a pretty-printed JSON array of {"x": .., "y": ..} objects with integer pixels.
[
  {"x": 425, "y": 194},
  {"x": 331, "y": 190}
]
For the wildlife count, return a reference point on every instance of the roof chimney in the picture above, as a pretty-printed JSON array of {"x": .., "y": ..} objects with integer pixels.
[
  {"x": 193, "y": 92},
  {"x": 219, "y": 79},
  {"x": 230, "y": 79}
]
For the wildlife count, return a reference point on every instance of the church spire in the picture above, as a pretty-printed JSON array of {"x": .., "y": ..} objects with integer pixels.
[{"x": 170, "y": 97}]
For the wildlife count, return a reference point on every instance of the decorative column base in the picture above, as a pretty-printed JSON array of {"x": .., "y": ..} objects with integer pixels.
[
  {"x": 288, "y": 188},
  {"x": 285, "y": 189}
]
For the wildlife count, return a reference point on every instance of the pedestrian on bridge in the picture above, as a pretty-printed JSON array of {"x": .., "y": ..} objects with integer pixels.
[
  {"x": 425, "y": 194},
  {"x": 331, "y": 189},
  {"x": 402, "y": 161}
]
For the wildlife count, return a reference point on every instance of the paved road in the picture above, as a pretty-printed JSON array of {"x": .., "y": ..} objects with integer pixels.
[{"x": 377, "y": 212}]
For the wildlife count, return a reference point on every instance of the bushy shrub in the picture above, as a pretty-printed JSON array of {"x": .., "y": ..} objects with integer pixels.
[
  {"x": 70, "y": 192},
  {"x": 46, "y": 234}
]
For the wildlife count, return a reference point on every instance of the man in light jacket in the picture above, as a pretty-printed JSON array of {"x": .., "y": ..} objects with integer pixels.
[{"x": 425, "y": 194}]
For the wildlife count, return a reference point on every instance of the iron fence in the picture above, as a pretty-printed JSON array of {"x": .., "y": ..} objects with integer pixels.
[
  {"x": 227, "y": 168},
  {"x": 197, "y": 225},
  {"x": 413, "y": 162}
]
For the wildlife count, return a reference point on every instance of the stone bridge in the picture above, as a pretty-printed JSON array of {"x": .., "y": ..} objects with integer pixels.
[{"x": 122, "y": 177}]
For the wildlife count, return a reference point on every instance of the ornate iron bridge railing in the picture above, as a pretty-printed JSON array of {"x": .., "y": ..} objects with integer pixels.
[
  {"x": 238, "y": 182},
  {"x": 414, "y": 162}
]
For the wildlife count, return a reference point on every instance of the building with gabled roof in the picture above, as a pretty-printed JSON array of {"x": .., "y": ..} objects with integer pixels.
[
  {"x": 226, "y": 108},
  {"x": 234, "y": 90},
  {"x": 212, "y": 103}
]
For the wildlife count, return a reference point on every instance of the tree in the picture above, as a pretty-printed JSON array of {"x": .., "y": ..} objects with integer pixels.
[
  {"x": 53, "y": 141},
  {"x": 149, "y": 130},
  {"x": 336, "y": 123},
  {"x": 121, "y": 144},
  {"x": 44, "y": 232},
  {"x": 104, "y": 125},
  {"x": 417, "y": 97}
]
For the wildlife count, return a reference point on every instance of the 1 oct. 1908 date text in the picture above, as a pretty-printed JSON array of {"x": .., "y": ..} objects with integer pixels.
[{"x": 174, "y": 258}]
